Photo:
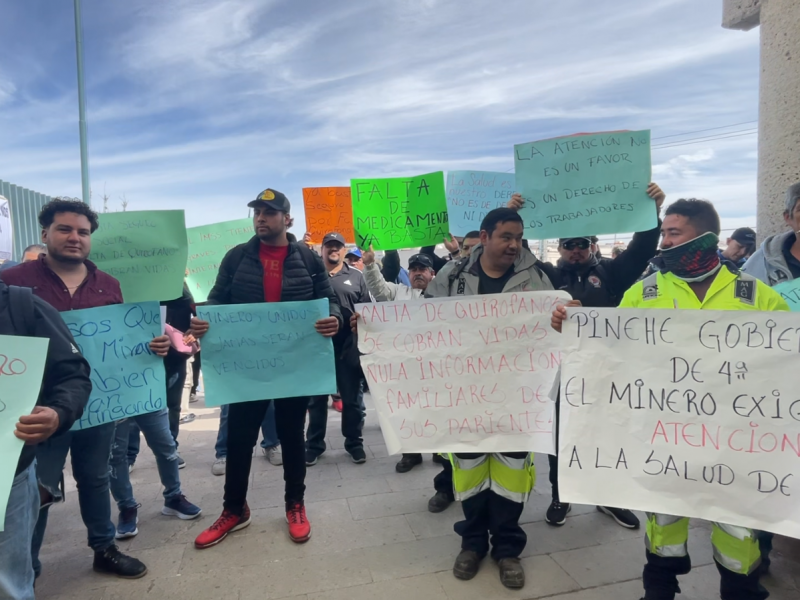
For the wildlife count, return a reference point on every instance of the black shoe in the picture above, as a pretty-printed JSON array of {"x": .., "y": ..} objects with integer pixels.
[
  {"x": 512, "y": 575},
  {"x": 408, "y": 462},
  {"x": 557, "y": 513},
  {"x": 466, "y": 566},
  {"x": 440, "y": 460},
  {"x": 358, "y": 456},
  {"x": 311, "y": 458},
  {"x": 621, "y": 515},
  {"x": 439, "y": 502},
  {"x": 113, "y": 562}
]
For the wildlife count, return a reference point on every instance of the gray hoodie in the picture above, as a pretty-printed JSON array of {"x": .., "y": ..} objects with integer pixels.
[
  {"x": 768, "y": 263},
  {"x": 527, "y": 276}
]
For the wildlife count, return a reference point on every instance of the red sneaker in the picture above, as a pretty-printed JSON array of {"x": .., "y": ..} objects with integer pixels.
[
  {"x": 337, "y": 404},
  {"x": 299, "y": 527},
  {"x": 226, "y": 524}
]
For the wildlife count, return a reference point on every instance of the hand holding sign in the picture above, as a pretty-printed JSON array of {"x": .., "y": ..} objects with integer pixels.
[{"x": 38, "y": 426}]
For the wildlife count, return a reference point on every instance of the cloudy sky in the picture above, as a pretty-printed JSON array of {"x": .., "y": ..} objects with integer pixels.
[{"x": 201, "y": 104}]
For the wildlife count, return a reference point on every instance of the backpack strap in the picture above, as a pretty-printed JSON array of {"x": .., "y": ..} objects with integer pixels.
[
  {"x": 456, "y": 273},
  {"x": 20, "y": 305}
]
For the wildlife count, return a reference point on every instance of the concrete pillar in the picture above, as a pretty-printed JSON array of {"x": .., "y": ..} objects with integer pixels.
[{"x": 779, "y": 103}]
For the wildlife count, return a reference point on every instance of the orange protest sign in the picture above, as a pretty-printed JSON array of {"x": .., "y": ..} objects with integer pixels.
[{"x": 328, "y": 209}]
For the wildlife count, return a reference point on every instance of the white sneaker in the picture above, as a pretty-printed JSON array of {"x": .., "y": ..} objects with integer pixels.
[
  {"x": 273, "y": 455},
  {"x": 218, "y": 468}
]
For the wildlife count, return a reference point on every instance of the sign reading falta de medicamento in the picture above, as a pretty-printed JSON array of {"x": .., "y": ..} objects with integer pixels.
[
  {"x": 472, "y": 194},
  {"x": 693, "y": 413},
  {"x": 145, "y": 250},
  {"x": 400, "y": 212},
  {"x": 328, "y": 209},
  {"x": 265, "y": 351},
  {"x": 127, "y": 377},
  {"x": 21, "y": 368},
  {"x": 585, "y": 185},
  {"x": 472, "y": 374},
  {"x": 208, "y": 245}
]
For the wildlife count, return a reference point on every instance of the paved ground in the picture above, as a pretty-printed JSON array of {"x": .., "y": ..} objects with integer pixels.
[{"x": 372, "y": 539}]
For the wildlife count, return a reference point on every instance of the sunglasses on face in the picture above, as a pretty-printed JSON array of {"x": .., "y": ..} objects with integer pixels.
[{"x": 580, "y": 244}]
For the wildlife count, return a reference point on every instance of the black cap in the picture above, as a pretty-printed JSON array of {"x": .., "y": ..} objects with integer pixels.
[
  {"x": 333, "y": 237},
  {"x": 591, "y": 238},
  {"x": 420, "y": 259},
  {"x": 745, "y": 236},
  {"x": 271, "y": 199}
]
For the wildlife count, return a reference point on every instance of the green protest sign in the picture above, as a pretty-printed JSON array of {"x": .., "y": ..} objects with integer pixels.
[
  {"x": 145, "y": 250},
  {"x": 585, "y": 184},
  {"x": 21, "y": 370},
  {"x": 399, "y": 212},
  {"x": 790, "y": 291},
  {"x": 208, "y": 245}
]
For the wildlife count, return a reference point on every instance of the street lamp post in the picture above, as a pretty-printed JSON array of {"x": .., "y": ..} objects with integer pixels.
[{"x": 82, "y": 106}]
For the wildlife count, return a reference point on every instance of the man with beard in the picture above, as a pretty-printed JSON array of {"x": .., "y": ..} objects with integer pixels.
[
  {"x": 691, "y": 276},
  {"x": 597, "y": 283},
  {"x": 350, "y": 288}
]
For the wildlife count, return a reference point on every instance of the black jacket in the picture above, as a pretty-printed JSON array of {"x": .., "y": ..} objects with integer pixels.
[
  {"x": 241, "y": 277},
  {"x": 66, "y": 385},
  {"x": 438, "y": 261},
  {"x": 179, "y": 315},
  {"x": 604, "y": 281}
]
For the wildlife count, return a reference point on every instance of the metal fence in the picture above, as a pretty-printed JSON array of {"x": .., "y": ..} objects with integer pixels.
[{"x": 25, "y": 205}]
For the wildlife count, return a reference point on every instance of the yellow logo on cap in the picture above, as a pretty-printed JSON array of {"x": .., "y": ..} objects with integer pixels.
[{"x": 266, "y": 195}]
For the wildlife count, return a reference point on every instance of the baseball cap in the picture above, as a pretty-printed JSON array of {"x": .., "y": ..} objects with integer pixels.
[
  {"x": 591, "y": 238},
  {"x": 420, "y": 259},
  {"x": 333, "y": 237},
  {"x": 354, "y": 252},
  {"x": 273, "y": 199},
  {"x": 745, "y": 236}
]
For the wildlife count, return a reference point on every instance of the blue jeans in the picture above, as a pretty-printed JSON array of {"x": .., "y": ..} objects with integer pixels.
[
  {"x": 89, "y": 450},
  {"x": 268, "y": 431},
  {"x": 157, "y": 434},
  {"x": 16, "y": 570}
]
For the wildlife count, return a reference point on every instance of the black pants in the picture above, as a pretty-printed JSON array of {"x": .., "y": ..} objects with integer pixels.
[
  {"x": 661, "y": 580},
  {"x": 443, "y": 482},
  {"x": 195, "y": 373},
  {"x": 489, "y": 513},
  {"x": 348, "y": 380},
  {"x": 244, "y": 423},
  {"x": 553, "y": 460},
  {"x": 176, "y": 378}
]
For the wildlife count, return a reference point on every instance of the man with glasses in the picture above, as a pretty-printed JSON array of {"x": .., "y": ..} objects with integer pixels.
[{"x": 597, "y": 283}]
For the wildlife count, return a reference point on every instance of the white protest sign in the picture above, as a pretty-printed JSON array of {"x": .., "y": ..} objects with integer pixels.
[
  {"x": 467, "y": 374},
  {"x": 693, "y": 413}
]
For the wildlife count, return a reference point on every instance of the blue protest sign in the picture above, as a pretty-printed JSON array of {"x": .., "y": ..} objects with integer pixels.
[
  {"x": 127, "y": 378},
  {"x": 21, "y": 368},
  {"x": 472, "y": 194},
  {"x": 585, "y": 185},
  {"x": 265, "y": 351},
  {"x": 790, "y": 291}
]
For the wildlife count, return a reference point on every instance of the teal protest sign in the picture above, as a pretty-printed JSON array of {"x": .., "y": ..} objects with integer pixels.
[
  {"x": 585, "y": 184},
  {"x": 21, "y": 370},
  {"x": 145, "y": 250},
  {"x": 265, "y": 351},
  {"x": 790, "y": 291},
  {"x": 399, "y": 212},
  {"x": 208, "y": 245},
  {"x": 127, "y": 378},
  {"x": 472, "y": 194}
]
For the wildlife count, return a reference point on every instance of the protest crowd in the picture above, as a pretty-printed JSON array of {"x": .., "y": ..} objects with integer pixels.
[{"x": 268, "y": 285}]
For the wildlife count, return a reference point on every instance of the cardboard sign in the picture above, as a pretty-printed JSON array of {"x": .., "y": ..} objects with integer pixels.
[{"x": 328, "y": 209}]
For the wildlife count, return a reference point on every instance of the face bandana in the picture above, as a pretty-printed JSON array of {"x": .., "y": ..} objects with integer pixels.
[{"x": 694, "y": 260}]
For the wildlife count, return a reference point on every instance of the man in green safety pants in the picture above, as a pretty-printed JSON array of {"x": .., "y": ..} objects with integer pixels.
[
  {"x": 492, "y": 487},
  {"x": 691, "y": 276}
]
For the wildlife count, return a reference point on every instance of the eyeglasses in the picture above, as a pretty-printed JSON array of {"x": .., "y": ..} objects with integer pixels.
[{"x": 580, "y": 244}]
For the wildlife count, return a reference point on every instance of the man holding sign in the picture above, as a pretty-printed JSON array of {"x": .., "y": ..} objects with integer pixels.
[
  {"x": 493, "y": 488},
  {"x": 67, "y": 280},
  {"x": 271, "y": 267},
  {"x": 64, "y": 392},
  {"x": 692, "y": 277}
]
